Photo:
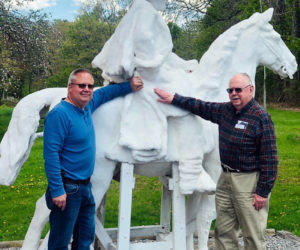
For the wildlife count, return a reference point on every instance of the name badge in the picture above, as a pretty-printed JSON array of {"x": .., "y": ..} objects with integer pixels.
[{"x": 241, "y": 125}]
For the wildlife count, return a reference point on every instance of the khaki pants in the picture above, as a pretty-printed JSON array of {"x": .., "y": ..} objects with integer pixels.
[{"x": 234, "y": 197}]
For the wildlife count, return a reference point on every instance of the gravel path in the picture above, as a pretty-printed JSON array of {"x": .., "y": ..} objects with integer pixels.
[{"x": 280, "y": 240}]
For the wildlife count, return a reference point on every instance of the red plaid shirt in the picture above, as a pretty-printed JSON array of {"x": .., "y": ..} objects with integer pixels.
[{"x": 247, "y": 140}]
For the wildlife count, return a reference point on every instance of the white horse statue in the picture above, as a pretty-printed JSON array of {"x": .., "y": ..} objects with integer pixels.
[{"x": 179, "y": 136}]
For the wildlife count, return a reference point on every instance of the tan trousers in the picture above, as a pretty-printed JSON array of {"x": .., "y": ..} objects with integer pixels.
[{"x": 234, "y": 197}]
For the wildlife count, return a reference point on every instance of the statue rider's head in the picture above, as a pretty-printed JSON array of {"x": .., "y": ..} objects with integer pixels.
[{"x": 158, "y": 4}]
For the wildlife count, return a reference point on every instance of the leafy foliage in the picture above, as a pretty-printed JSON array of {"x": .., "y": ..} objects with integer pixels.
[
  {"x": 83, "y": 40},
  {"x": 25, "y": 49},
  {"x": 36, "y": 53}
]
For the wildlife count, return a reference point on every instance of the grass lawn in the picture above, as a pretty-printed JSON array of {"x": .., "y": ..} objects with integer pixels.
[
  {"x": 285, "y": 199},
  {"x": 17, "y": 202}
]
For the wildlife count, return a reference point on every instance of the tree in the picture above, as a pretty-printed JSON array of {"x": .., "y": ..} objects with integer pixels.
[
  {"x": 180, "y": 10},
  {"x": 83, "y": 40},
  {"x": 25, "y": 50},
  {"x": 286, "y": 21},
  {"x": 183, "y": 40}
]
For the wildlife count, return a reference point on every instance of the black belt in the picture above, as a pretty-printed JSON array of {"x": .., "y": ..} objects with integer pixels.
[
  {"x": 228, "y": 169},
  {"x": 84, "y": 182}
]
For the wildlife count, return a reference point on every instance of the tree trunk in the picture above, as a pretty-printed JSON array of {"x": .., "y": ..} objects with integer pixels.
[
  {"x": 295, "y": 32},
  {"x": 1, "y": 95}
]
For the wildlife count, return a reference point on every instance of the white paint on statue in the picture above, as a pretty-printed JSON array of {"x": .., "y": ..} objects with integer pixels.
[
  {"x": 149, "y": 55},
  {"x": 182, "y": 137},
  {"x": 21, "y": 133}
]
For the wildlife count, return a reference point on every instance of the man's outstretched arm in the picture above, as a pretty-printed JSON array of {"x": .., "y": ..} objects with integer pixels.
[{"x": 164, "y": 96}]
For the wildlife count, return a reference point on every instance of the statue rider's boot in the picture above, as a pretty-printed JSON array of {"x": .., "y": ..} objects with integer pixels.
[{"x": 193, "y": 177}]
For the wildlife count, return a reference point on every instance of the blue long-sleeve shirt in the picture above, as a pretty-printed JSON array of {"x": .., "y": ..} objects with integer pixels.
[
  {"x": 247, "y": 139},
  {"x": 69, "y": 138}
]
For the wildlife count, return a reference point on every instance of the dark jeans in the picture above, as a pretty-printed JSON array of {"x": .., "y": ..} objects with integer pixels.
[{"x": 76, "y": 219}]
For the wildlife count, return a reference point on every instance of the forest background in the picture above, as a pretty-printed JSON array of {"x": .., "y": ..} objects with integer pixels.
[{"x": 37, "y": 52}]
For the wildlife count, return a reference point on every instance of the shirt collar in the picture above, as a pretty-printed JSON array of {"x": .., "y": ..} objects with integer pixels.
[
  {"x": 82, "y": 111},
  {"x": 244, "y": 109}
]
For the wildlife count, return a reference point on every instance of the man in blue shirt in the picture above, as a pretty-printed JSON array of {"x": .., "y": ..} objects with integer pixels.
[
  {"x": 69, "y": 153},
  {"x": 248, "y": 153}
]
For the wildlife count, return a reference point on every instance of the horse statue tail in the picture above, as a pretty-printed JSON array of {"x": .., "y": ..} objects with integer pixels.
[{"x": 22, "y": 131}]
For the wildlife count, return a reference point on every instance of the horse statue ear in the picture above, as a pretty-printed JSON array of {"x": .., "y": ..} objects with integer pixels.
[{"x": 267, "y": 15}]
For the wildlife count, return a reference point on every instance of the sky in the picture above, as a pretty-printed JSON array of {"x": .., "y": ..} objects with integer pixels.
[
  {"x": 56, "y": 9},
  {"x": 59, "y": 9},
  {"x": 62, "y": 9}
]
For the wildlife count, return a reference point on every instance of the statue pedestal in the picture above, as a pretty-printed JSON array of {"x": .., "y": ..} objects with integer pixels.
[{"x": 165, "y": 239}]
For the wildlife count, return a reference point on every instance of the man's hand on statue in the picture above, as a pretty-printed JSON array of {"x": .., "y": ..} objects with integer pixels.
[
  {"x": 259, "y": 202},
  {"x": 165, "y": 97},
  {"x": 60, "y": 201},
  {"x": 136, "y": 83}
]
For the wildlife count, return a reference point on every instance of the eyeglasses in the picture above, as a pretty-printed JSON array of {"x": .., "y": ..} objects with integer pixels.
[
  {"x": 83, "y": 85},
  {"x": 237, "y": 90}
]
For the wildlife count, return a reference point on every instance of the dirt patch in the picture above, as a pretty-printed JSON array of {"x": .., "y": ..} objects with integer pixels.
[{"x": 283, "y": 107}]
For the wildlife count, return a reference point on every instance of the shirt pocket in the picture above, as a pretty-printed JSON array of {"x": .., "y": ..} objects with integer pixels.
[{"x": 245, "y": 141}]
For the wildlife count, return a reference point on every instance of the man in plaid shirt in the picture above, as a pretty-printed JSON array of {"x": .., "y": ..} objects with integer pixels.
[{"x": 248, "y": 153}]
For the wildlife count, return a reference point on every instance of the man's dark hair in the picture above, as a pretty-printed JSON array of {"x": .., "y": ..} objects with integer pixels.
[{"x": 75, "y": 72}]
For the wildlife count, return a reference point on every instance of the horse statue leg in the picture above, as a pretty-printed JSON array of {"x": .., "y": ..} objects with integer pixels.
[
  {"x": 40, "y": 218},
  {"x": 206, "y": 211},
  {"x": 201, "y": 206},
  {"x": 200, "y": 213},
  {"x": 101, "y": 179}
]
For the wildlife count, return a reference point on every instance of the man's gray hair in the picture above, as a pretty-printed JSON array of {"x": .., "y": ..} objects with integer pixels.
[
  {"x": 247, "y": 77},
  {"x": 75, "y": 72}
]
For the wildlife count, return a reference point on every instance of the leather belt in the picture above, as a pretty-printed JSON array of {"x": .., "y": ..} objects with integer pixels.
[
  {"x": 228, "y": 169},
  {"x": 84, "y": 182}
]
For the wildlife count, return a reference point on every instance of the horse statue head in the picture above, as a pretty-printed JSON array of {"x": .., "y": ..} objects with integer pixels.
[{"x": 242, "y": 48}]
